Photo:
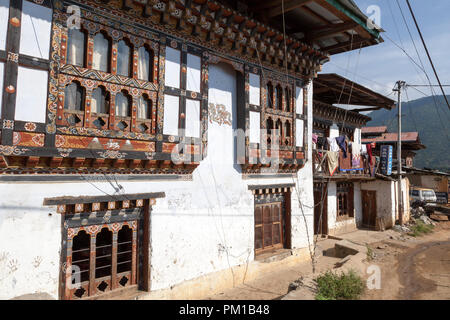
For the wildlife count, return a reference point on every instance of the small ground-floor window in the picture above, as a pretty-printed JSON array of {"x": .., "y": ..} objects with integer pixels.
[
  {"x": 101, "y": 258},
  {"x": 344, "y": 198},
  {"x": 105, "y": 243}
]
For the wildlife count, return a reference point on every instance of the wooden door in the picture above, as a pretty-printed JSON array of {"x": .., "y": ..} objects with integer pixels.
[
  {"x": 369, "y": 203},
  {"x": 320, "y": 208}
]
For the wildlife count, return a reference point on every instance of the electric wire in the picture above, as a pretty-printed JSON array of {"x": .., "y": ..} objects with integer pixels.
[{"x": 428, "y": 53}]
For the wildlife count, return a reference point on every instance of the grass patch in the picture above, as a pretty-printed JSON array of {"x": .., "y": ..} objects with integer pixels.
[
  {"x": 344, "y": 286},
  {"x": 370, "y": 254},
  {"x": 420, "y": 228}
]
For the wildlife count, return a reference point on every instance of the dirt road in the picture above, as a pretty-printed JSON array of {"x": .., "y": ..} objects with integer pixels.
[{"x": 415, "y": 269}]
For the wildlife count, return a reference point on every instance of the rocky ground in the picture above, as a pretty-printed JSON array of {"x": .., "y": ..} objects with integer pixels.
[
  {"x": 414, "y": 268},
  {"x": 411, "y": 267}
]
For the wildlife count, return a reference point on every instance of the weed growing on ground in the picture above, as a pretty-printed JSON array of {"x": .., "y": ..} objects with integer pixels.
[
  {"x": 420, "y": 228},
  {"x": 370, "y": 254},
  {"x": 344, "y": 286}
]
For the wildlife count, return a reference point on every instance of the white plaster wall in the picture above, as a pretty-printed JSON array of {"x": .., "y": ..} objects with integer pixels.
[
  {"x": 332, "y": 204},
  {"x": 385, "y": 199},
  {"x": 347, "y": 225},
  {"x": 334, "y": 131},
  {"x": 405, "y": 197},
  {"x": 30, "y": 241},
  {"x": 357, "y": 203},
  {"x": 303, "y": 210},
  {"x": 201, "y": 226}
]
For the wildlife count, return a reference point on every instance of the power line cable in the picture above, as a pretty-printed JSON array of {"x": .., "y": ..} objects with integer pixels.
[
  {"x": 410, "y": 111},
  {"x": 438, "y": 114},
  {"x": 428, "y": 53},
  {"x": 418, "y": 55}
]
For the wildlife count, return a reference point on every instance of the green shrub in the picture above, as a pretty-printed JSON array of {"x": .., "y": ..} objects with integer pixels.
[
  {"x": 346, "y": 286},
  {"x": 420, "y": 228}
]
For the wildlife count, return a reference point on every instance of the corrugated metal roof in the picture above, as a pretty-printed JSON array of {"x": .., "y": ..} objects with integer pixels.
[
  {"x": 393, "y": 137},
  {"x": 380, "y": 129}
]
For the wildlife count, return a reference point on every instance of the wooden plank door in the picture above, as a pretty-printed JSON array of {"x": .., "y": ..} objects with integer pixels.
[{"x": 369, "y": 208}]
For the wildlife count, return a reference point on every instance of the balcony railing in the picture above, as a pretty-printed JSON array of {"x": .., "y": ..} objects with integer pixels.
[{"x": 345, "y": 167}]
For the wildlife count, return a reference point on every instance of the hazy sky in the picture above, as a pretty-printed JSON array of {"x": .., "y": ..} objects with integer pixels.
[{"x": 380, "y": 66}]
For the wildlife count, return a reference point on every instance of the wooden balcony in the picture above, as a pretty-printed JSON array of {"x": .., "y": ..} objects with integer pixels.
[{"x": 345, "y": 169}]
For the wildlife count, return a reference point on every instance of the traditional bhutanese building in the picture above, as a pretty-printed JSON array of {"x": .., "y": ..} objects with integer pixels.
[
  {"x": 380, "y": 135},
  {"x": 159, "y": 149},
  {"x": 349, "y": 194}
]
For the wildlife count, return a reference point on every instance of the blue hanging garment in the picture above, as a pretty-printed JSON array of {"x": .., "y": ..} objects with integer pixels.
[{"x": 341, "y": 143}]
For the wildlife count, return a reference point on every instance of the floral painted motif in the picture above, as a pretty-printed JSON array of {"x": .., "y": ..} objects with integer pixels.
[
  {"x": 38, "y": 140},
  {"x": 112, "y": 154},
  {"x": 12, "y": 150},
  {"x": 59, "y": 141},
  {"x": 64, "y": 152},
  {"x": 16, "y": 138},
  {"x": 8, "y": 124},
  {"x": 30, "y": 126},
  {"x": 219, "y": 114}
]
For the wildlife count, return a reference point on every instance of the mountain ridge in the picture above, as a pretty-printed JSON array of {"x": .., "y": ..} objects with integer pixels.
[{"x": 433, "y": 126}]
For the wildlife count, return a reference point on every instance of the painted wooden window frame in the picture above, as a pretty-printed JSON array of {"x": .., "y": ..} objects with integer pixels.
[
  {"x": 112, "y": 213},
  {"x": 13, "y": 59},
  {"x": 253, "y": 150},
  {"x": 111, "y": 81},
  {"x": 344, "y": 195},
  {"x": 182, "y": 93}
]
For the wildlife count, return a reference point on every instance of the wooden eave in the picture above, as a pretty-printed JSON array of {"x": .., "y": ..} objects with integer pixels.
[
  {"x": 241, "y": 35},
  {"x": 324, "y": 111},
  {"x": 325, "y": 34},
  {"x": 334, "y": 89}
]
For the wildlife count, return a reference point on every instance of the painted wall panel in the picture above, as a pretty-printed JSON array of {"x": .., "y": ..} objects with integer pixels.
[
  {"x": 255, "y": 89},
  {"x": 334, "y": 131},
  {"x": 302, "y": 196},
  {"x": 2, "y": 69},
  {"x": 31, "y": 101},
  {"x": 193, "y": 73},
  {"x": 255, "y": 127},
  {"x": 4, "y": 17},
  {"x": 171, "y": 111},
  {"x": 299, "y": 100},
  {"x": 357, "y": 136},
  {"x": 172, "y": 73},
  {"x": 192, "y": 118},
  {"x": 299, "y": 131},
  {"x": 36, "y": 30}
]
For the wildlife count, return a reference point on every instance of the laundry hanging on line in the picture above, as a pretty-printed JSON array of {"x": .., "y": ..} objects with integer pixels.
[
  {"x": 333, "y": 161},
  {"x": 341, "y": 143}
]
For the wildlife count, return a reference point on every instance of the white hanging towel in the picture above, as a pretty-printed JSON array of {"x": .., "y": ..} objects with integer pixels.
[{"x": 333, "y": 144}]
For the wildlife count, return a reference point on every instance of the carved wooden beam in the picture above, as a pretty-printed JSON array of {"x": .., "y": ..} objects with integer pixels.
[
  {"x": 329, "y": 30},
  {"x": 288, "y": 6}
]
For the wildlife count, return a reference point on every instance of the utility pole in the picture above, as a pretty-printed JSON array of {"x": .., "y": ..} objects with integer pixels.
[{"x": 400, "y": 85}]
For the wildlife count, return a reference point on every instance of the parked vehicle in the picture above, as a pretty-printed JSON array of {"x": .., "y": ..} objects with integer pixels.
[{"x": 422, "y": 196}]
